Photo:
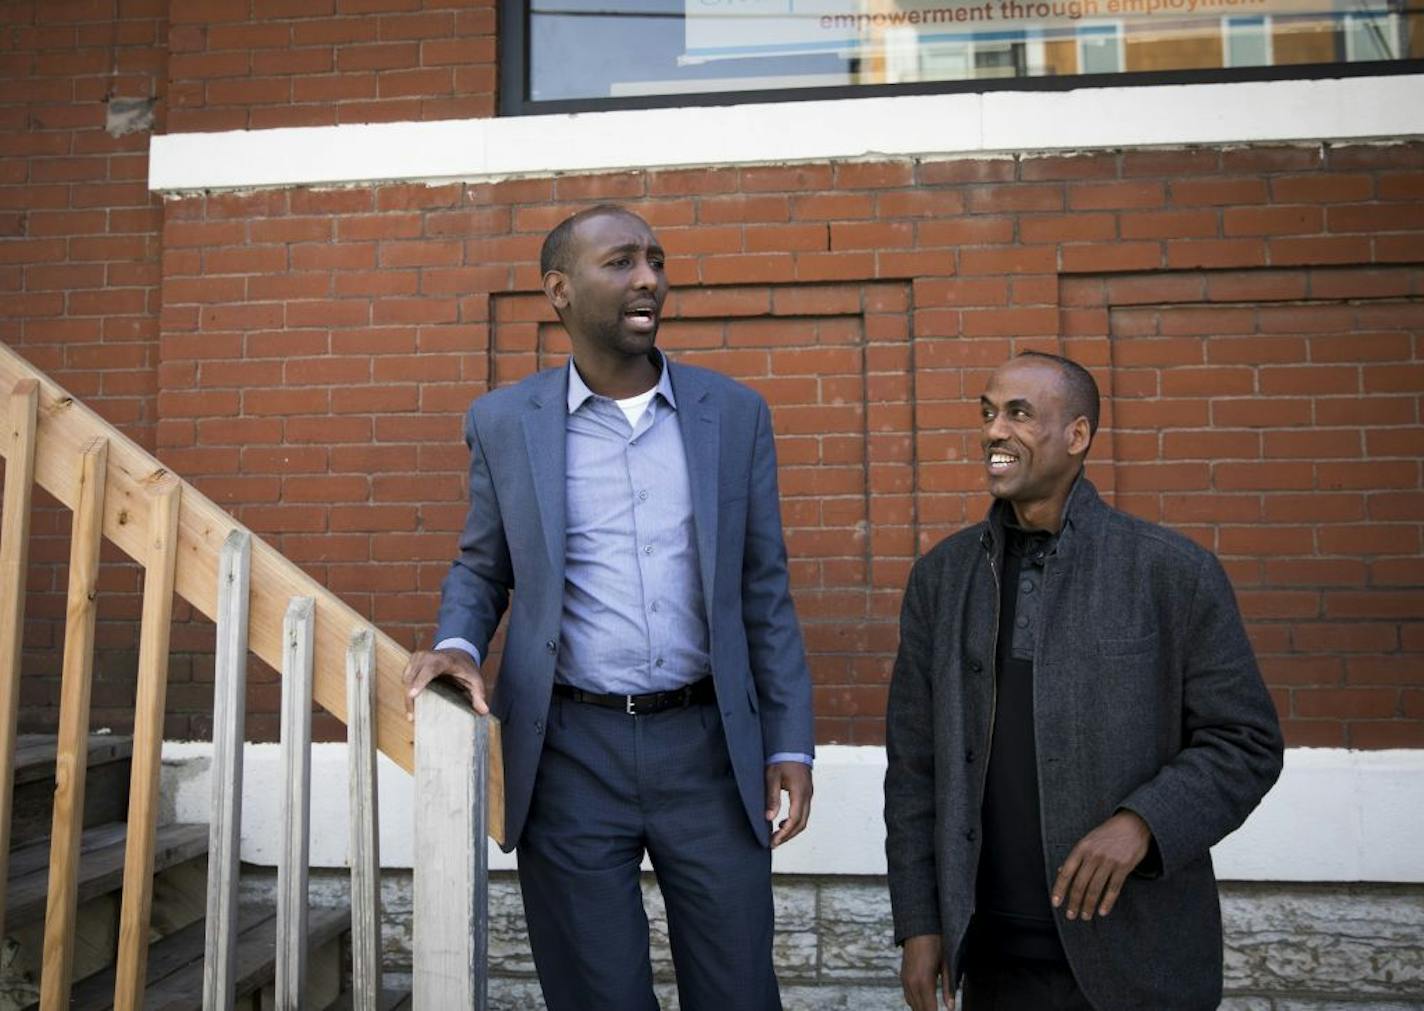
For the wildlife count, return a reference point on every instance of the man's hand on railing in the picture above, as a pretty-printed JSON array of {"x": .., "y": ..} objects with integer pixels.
[{"x": 457, "y": 665}]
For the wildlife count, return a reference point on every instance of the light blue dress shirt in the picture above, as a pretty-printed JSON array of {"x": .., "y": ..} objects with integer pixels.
[{"x": 634, "y": 619}]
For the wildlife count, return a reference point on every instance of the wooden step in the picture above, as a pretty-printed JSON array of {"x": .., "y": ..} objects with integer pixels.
[
  {"x": 174, "y": 981},
  {"x": 106, "y": 792},
  {"x": 101, "y": 865}
]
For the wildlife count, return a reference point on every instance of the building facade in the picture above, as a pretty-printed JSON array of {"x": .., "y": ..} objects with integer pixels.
[{"x": 283, "y": 243}]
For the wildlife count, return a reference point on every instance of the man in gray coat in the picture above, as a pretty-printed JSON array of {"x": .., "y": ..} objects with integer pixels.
[{"x": 1075, "y": 718}]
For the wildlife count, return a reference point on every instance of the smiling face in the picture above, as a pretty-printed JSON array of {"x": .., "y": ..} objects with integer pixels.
[
  {"x": 1033, "y": 445},
  {"x": 611, "y": 289}
]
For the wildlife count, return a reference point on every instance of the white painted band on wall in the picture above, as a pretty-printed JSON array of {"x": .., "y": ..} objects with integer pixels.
[
  {"x": 926, "y": 126},
  {"x": 1335, "y": 815}
]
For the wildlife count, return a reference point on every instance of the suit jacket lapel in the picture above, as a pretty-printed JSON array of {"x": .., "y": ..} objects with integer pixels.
[
  {"x": 699, "y": 415},
  {"x": 544, "y": 432}
]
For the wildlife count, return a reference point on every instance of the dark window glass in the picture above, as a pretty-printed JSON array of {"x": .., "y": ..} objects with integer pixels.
[{"x": 608, "y": 53}]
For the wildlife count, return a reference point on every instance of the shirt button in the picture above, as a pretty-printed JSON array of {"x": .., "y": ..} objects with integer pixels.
[
  {"x": 643, "y": 496},
  {"x": 653, "y": 607},
  {"x": 551, "y": 646},
  {"x": 660, "y": 661},
  {"x": 647, "y": 549}
]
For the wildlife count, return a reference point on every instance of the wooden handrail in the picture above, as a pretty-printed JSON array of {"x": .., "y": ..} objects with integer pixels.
[
  {"x": 192, "y": 548},
  {"x": 66, "y": 426}
]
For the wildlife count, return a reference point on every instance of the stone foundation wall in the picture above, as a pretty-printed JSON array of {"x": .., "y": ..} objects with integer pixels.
[{"x": 1289, "y": 947}]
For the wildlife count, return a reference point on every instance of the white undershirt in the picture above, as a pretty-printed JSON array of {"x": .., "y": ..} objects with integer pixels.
[{"x": 633, "y": 407}]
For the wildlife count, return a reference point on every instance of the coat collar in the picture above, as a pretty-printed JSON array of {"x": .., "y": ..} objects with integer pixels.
[{"x": 1082, "y": 512}]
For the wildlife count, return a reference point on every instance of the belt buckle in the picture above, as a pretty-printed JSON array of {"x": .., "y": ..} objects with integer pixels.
[{"x": 628, "y": 705}]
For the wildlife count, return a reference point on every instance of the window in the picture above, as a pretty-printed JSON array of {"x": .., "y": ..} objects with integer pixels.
[
  {"x": 1246, "y": 42},
  {"x": 1100, "y": 49},
  {"x": 568, "y": 55}
]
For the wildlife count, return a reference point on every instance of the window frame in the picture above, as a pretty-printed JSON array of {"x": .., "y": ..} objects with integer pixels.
[{"x": 513, "y": 55}]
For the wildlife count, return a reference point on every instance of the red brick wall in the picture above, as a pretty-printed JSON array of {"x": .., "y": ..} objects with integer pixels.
[
  {"x": 253, "y": 64},
  {"x": 1254, "y": 313},
  {"x": 1256, "y": 316},
  {"x": 79, "y": 277}
]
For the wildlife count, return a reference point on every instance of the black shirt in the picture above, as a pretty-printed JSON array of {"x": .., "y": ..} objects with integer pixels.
[{"x": 1012, "y": 911}]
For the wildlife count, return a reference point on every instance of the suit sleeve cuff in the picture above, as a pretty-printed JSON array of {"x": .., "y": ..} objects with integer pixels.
[
  {"x": 455, "y": 642},
  {"x": 790, "y": 756}
]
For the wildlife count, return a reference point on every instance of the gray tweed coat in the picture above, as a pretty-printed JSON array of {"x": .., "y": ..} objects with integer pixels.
[{"x": 1146, "y": 698}]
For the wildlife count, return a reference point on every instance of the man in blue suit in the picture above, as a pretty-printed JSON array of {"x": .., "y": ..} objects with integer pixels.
[{"x": 653, "y": 692}]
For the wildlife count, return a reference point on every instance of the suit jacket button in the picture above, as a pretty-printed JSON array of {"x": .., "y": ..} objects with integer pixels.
[
  {"x": 551, "y": 646},
  {"x": 975, "y": 666},
  {"x": 538, "y": 726},
  {"x": 969, "y": 835},
  {"x": 969, "y": 755}
]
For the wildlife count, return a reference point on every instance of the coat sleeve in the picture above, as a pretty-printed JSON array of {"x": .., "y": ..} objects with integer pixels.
[
  {"x": 910, "y": 809},
  {"x": 775, "y": 650},
  {"x": 476, "y": 589},
  {"x": 1232, "y": 738}
]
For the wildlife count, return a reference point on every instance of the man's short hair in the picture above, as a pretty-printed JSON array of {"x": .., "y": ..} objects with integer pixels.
[
  {"x": 1080, "y": 389},
  {"x": 555, "y": 252}
]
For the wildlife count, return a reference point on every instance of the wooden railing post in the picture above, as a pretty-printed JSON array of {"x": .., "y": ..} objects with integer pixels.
[
  {"x": 152, "y": 690},
  {"x": 365, "y": 841},
  {"x": 451, "y": 907},
  {"x": 71, "y": 760},
  {"x": 229, "y": 722},
  {"x": 19, "y": 446},
  {"x": 296, "y": 804}
]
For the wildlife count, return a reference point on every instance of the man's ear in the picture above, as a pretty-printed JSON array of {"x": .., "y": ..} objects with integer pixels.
[
  {"x": 556, "y": 286},
  {"x": 1080, "y": 436}
]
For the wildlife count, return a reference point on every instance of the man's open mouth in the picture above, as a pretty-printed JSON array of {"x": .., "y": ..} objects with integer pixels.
[
  {"x": 641, "y": 317},
  {"x": 1001, "y": 460}
]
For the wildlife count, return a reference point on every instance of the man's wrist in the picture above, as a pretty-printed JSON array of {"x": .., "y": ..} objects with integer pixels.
[
  {"x": 463, "y": 645},
  {"x": 791, "y": 756}
]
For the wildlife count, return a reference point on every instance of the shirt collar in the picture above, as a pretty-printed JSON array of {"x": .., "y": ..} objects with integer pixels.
[{"x": 579, "y": 391}]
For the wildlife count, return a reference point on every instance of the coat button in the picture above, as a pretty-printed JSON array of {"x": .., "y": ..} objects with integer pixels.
[
  {"x": 970, "y": 835},
  {"x": 538, "y": 726},
  {"x": 551, "y": 646},
  {"x": 969, "y": 755},
  {"x": 975, "y": 666}
]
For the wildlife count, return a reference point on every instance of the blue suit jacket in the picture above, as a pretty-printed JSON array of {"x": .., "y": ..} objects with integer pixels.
[{"x": 513, "y": 543}]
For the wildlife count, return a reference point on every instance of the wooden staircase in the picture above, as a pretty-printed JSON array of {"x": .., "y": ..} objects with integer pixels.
[
  {"x": 174, "y": 978},
  {"x": 82, "y": 856}
]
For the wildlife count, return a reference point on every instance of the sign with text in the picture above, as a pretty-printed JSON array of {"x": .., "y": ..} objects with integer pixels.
[{"x": 730, "y": 28}]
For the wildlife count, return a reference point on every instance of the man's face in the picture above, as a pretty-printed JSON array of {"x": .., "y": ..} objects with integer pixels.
[
  {"x": 1033, "y": 447},
  {"x": 611, "y": 295}
]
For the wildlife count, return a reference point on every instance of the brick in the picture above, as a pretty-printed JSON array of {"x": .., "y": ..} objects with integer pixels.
[
  {"x": 1273, "y": 220},
  {"x": 785, "y": 238},
  {"x": 996, "y": 199},
  {"x": 1009, "y": 260},
  {"x": 1116, "y": 195},
  {"x": 1331, "y": 249},
  {"x": 1215, "y": 253},
  {"x": 1223, "y": 190},
  {"x": 1067, "y": 227},
  {"x": 785, "y": 178},
  {"x": 975, "y": 170},
  {"x": 1358, "y": 703},
  {"x": 872, "y": 175},
  {"x": 1111, "y": 256},
  {"x": 968, "y": 231}
]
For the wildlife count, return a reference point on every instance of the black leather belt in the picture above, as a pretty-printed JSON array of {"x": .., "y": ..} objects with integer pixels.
[{"x": 697, "y": 693}]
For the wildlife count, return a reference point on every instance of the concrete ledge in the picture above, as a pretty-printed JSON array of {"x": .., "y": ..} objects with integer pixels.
[
  {"x": 1335, "y": 815},
  {"x": 919, "y": 126}
]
